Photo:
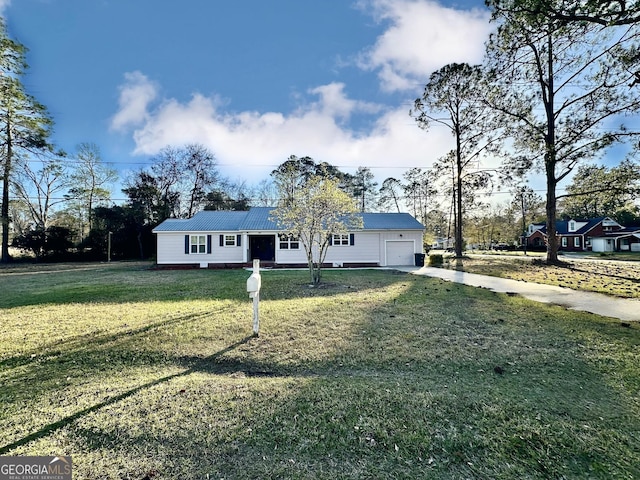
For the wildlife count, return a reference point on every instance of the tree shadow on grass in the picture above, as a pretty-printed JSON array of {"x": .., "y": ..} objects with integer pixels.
[
  {"x": 75, "y": 343},
  {"x": 605, "y": 275},
  {"x": 138, "y": 285},
  {"x": 48, "y": 429}
]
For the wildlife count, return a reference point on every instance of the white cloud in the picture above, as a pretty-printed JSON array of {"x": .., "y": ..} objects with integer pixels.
[
  {"x": 334, "y": 102},
  {"x": 422, "y": 37},
  {"x": 250, "y": 144},
  {"x": 3, "y": 5},
  {"x": 135, "y": 96}
]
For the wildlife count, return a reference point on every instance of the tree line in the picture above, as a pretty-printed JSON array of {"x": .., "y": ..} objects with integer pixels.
[
  {"x": 64, "y": 210},
  {"x": 558, "y": 81}
]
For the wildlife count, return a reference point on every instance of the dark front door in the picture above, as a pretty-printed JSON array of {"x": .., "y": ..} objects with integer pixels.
[{"x": 262, "y": 247}]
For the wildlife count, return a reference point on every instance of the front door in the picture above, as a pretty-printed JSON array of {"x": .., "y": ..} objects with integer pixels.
[{"x": 262, "y": 247}]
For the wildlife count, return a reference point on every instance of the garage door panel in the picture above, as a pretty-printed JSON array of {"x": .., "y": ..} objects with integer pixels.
[{"x": 400, "y": 253}]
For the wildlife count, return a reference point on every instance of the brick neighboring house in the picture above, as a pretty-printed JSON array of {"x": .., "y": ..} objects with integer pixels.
[{"x": 601, "y": 234}]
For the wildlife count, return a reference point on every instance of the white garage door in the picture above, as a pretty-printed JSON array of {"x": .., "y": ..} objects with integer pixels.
[{"x": 400, "y": 253}]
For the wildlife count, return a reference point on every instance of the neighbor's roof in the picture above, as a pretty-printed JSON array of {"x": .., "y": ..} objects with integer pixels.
[
  {"x": 258, "y": 219},
  {"x": 562, "y": 226}
]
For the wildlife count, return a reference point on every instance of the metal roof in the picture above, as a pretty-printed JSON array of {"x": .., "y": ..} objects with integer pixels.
[
  {"x": 390, "y": 221},
  {"x": 206, "y": 221},
  {"x": 258, "y": 219}
]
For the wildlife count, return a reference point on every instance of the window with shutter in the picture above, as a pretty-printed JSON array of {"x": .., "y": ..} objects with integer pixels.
[
  {"x": 198, "y": 244},
  {"x": 341, "y": 239}
]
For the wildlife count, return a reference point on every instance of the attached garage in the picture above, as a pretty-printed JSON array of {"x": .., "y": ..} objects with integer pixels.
[
  {"x": 400, "y": 252},
  {"x": 603, "y": 244}
]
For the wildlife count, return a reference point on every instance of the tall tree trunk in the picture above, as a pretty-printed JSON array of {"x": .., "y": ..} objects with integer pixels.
[
  {"x": 5, "y": 197},
  {"x": 550, "y": 158},
  {"x": 524, "y": 222},
  {"x": 552, "y": 237},
  {"x": 459, "y": 190},
  {"x": 90, "y": 205},
  {"x": 459, "y": 240},
  {"x": 140, "y": 245}
]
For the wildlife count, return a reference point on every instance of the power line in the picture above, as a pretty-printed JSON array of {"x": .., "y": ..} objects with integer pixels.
[{"x": 277, "y": 199}]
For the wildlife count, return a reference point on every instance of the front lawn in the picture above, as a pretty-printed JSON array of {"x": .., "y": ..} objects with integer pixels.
[
  {"x": 620, "y": 279},
  {"x": 148, "y": 374}
]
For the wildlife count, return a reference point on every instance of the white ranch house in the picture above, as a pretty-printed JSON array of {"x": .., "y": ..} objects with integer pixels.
[{"x": 225, "y": 239}]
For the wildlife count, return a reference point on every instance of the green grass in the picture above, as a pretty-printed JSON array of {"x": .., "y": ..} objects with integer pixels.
[
  {"x": 143, "y": 373},
  {"x": 620, "y": 279},
  {"x": 618, "y": 256}
]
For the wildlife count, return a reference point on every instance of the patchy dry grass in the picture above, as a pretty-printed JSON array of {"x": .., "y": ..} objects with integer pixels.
[
  {"x": 153, "y": 374},
  {"x": 621, "y": 279}
]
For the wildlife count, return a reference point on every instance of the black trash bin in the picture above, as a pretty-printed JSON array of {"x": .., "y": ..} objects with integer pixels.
[{"x": 420, "y": 259}]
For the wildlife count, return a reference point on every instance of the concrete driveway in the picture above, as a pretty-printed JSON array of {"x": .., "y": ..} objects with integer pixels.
[{"x": 600, "y": 304}]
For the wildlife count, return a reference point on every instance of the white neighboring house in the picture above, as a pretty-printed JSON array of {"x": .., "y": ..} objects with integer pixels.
[{"x": 218, "y": 239}]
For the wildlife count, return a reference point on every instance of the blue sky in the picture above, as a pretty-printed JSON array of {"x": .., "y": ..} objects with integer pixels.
[{"x": 255, "y": 81}]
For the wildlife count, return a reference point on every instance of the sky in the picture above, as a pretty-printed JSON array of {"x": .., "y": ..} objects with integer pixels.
[{"x": 254, "y": 81}]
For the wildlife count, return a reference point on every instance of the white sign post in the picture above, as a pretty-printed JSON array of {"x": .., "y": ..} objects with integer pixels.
[{"x": 254, "y": 283}]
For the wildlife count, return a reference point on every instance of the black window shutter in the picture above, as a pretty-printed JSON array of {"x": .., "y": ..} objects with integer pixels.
[
  {"x": 208, "y": 243},
  {"x": 222, "y": 240},
  {"x": 330, "y": 239},
  {"x": 186, "y": 244},
  {"x": 352, "y": 239},
  {"x": 239, "y": 240}
]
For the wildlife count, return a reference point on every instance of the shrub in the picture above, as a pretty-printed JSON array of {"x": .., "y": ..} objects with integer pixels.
[{"x": 436, "y": 260}]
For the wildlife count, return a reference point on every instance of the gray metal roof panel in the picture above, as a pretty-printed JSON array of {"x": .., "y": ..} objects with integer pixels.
[
  {"x": 205, "y": 221},
  {"x": 258, "y": 219},
  {"x": 390, "y": 221}
]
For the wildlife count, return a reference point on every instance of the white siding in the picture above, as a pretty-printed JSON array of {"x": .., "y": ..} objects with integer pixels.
[
  {"x": 226, "y": 254},
  {"x": 291, "y": 256},
  {"x": 370, "y": 247},
  {"x": 366, "y": 249},
  {"x": 171, "y": 250}
]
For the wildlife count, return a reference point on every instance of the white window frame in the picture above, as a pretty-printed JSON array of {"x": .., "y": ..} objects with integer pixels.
[
  {"x": 572, "y": 226},
  {"x": 230, "y": 240},
  {"x": 564, "y": 241},
  {"x": 288, "y": 242},
  {"x": 576, "y": 242},
  {"x": 340, "y": 240},
  {"x": 197, "y": 244}
]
